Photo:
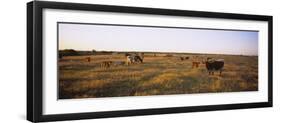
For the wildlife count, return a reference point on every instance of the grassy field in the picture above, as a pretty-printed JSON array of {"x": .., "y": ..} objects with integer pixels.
[{"x": 158, "y": 75}]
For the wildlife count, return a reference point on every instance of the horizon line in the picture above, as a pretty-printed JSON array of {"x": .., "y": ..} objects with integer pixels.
[{"x": 163, "y": 52}]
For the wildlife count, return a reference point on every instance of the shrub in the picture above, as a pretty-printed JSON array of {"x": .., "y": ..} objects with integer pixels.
[{"x": 68, "y": 52}]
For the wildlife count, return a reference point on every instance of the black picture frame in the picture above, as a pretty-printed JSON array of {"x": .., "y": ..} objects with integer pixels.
[{"x": 35, "y": 69}]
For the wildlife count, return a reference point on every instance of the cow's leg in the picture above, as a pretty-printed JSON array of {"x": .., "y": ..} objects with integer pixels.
[{"x": 128, "y": 63}]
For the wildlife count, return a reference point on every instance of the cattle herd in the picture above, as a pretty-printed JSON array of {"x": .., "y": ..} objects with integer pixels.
[{"x": 211, "y": 64}]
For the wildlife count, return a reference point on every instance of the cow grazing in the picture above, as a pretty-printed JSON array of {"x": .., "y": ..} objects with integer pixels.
[
  {"x": 105, "y": 64},
  {"x": 214, "y": 65},
  {"x": 134, "y": 58},
  {"x": 195, "y": 64}
]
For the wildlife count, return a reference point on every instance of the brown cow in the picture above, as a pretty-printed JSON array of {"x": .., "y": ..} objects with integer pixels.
[{"x": 195, "y": 64}]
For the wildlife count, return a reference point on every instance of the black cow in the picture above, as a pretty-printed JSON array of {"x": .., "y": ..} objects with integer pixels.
[
  {"x": 214, "y": 65},
  {"x": 138, "y": 59}
]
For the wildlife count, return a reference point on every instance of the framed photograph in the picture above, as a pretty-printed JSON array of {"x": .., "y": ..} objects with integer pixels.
[{"x": 95, "y": 61}]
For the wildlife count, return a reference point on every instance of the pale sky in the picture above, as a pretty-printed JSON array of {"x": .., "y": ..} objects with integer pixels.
[{"x": 132, "y": 38}]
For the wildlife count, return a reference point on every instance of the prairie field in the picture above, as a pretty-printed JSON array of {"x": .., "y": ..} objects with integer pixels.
[{"x": 159, "y": 74}]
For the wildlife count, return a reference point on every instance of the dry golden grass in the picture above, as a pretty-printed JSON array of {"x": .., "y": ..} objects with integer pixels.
[{"x": 158, "y": 75}]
